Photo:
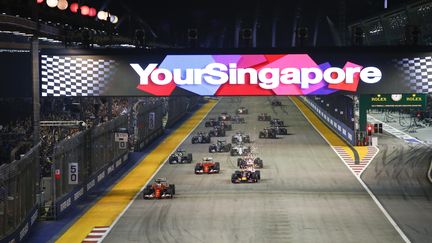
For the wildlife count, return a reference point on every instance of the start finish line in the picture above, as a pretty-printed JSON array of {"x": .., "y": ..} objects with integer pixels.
[{"x": 314, "y": 72}]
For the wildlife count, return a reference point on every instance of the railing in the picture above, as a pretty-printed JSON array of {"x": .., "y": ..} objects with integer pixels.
[{"x": 18, "y": 190}]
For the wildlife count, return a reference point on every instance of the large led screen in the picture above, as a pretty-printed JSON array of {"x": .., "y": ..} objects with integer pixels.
[{"x": 313, "y": 72}]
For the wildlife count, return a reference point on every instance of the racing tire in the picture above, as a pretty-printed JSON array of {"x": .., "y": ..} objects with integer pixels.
[
  {"x": 239, "y": 162},
  {"x": 171, "y": 161},
  {"x": 217, "y": 167},
  {"x": 234, "y": 178},
  {"x": 189, "y": 158},
  {"x": 172, "y": 187},
  {"x": 258, "y": 175},
  {"x": 146, "y": 191},
  {"x": 197, "y": 168}
]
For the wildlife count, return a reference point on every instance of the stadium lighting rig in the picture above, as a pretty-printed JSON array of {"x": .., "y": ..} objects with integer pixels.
[{"x": 83, "y": 9}]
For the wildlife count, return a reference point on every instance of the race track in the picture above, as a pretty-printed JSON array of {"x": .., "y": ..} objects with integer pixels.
[
  {"x": 398, "y": 178},
  {"x": 306, "y": 193}
]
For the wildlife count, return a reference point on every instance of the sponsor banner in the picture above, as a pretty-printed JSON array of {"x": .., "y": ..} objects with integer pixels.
[
  {"x": 21, "y": 232},
  {"x": 315, "y": 72},
  {"x": 397, "y": 101}
]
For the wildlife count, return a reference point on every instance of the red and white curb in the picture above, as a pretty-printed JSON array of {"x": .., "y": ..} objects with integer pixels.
[
  {"x": 357, "y": 169},
  {"x": 96, "y": 235}
]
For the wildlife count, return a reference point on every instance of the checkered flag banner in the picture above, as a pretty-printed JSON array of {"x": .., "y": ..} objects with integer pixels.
[
  {"x": 75, "y": 76},
  {"x": 418, "y": 71}
]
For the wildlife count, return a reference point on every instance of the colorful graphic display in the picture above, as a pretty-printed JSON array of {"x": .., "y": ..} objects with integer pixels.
[{"x": 165, "y": 74}]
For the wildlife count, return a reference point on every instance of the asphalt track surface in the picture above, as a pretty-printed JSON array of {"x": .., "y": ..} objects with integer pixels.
[
  {"x": 306, "y": 193},
  {"x": 398, "y": 177}
]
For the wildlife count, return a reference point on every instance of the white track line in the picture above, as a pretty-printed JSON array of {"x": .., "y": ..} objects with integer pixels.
[
  {"x": 151, "y": 177},
  {"x": 380, "y": 206},
  {"x": 429, "y": 173}
]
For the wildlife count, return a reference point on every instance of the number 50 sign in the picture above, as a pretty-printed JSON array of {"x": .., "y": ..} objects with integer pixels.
[{"x": 73, "y": 173}]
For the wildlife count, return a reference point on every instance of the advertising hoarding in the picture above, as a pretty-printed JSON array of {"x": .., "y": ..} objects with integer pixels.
[{"x": 258, "y": 73}]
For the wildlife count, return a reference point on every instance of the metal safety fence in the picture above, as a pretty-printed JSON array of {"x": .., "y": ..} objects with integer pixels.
[
  {"x": 179, "y": 106},
  {"x": 18, "y": 189},
  {"x": 148, "y": 119},
  {"x": 78, "y": 159},
  {"x": 194, "y": 101}
]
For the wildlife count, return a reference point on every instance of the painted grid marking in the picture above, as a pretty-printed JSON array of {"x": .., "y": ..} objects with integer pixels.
[{"x": 364, "y": 162}]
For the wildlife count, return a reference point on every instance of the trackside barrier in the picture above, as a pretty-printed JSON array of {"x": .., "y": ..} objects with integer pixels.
[
  {"x": 18, "y": 189},
  {"x": 339, "y": 127},
  {"x": 148, "y": 122},
  {"x": 87, "y": 186},
  {"x": 93, "y": 152},
  {"x": 177, "y": 108},
  {"x": 194, "y": 101}
]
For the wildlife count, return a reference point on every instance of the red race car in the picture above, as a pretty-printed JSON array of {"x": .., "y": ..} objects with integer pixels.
[
  {"x": 160, "y": 189},
  {"x": 207, "y": 166}
]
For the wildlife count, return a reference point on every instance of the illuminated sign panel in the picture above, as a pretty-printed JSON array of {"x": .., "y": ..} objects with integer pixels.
[
  {"x": 133, "y": 73},
  {"x": 397, "y": 101}
]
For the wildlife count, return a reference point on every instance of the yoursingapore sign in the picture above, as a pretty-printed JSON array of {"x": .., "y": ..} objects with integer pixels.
[
  {"x": 294, "y": 74},
  {"x": 135, "y": 72},
  {"x": 266, "y": 78}
]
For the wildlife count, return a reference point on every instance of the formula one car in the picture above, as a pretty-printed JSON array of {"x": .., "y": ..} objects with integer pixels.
[
  {"x": 207, "y": 166},
  {"x": 240, "y": 137},
  {"x": 221, "y": 146},
  {"x": 180, "y": 157},
  {"x": 240, "y": 149},
  {"x": 200, "y": 137},
  {"x": 160, "y": 189},
  {"x": 277, "y": 123},
  {"x": 217, "y": 131},
  {"x": 267, "y": 133},
  {"x": 224, "y": 117},
  {"x": 237, "y": 120},
  {"x": 246, "y": 176},
  {"x": 242, "y": 110},
  {"x": 280, "y": 130},
  {"x": 225, "y": 125},
  {"x": 264, "y": 117},
  {"x": 276, "y": 102},
  {"x": 211, "y": 123},
  {"x": 249, "y": 161}
]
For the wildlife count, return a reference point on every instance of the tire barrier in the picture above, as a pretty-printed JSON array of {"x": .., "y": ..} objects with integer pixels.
[
  {"x": 77, "y": 160},
  {"x": 18, "y": 202},
  {"x": 148, "y": 123}
]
